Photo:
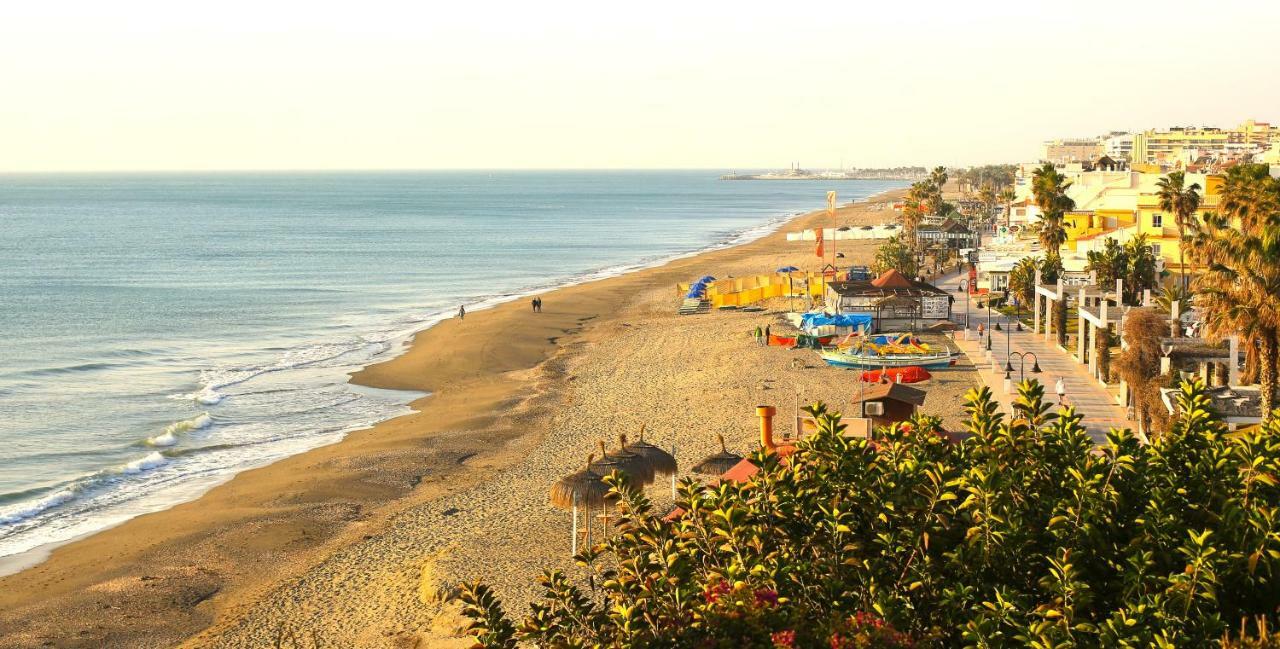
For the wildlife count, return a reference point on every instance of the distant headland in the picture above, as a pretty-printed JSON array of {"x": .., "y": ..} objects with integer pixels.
[{"x": 794, "y": 172}]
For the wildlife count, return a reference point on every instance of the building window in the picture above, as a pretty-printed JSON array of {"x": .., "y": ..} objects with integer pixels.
[
  {"x": 1157, "y": 220},
  {"x": 1155, "y": 250}
]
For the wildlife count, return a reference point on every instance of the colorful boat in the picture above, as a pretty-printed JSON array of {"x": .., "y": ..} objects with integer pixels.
[{"x": 866, "y": 359}]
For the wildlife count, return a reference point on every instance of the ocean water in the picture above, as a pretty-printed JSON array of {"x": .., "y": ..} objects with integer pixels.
[{"x": 159, "y": 333}]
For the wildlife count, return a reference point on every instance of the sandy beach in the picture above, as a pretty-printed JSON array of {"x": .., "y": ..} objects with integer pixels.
[{"x": 351, "y": 545}]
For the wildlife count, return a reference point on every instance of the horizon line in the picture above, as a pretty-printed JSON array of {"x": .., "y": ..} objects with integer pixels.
[{"x": 16, "y": 172}]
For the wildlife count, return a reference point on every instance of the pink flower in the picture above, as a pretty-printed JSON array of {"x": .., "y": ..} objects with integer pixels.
[
  {"x": 766, "y": 596},
  {"x": 713, "y": 593}
]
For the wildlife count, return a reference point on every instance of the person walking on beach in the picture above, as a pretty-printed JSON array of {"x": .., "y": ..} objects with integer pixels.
[
  {"x": 534, "y": 304},
  {"x": 538, "y": 306},
  {"x": 462, "y": 312},
  {"x": 759, "y": 334},
  {"x": 766, "y": 335}
]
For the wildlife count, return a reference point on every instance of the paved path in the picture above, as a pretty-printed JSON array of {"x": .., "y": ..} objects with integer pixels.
[{"x": 1091, "y": 399}]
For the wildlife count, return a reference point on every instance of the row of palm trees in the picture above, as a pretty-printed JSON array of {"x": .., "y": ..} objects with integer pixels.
[
  {"x": 1238, "y": 246},
  {"x": 924, "y": 197},
  {"x": 1239, "y": 290}
]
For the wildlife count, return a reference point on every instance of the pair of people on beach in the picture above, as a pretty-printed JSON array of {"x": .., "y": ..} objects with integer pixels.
[
  {"x": 762, "y": 335},
  {"x": 537, "y": 304}
]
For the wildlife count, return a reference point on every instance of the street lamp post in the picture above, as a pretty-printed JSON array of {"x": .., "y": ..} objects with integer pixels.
[
  {"x": 1008, "y": 337},
  {"x": 988, "y": 322},
  {"x": 1017, "y": 316},
  {"x": 964, "y": 286},
  {"x": 1022, "y": 365}
]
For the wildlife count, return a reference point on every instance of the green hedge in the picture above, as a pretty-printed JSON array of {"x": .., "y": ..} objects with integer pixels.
[{"x": 1025, "y": 534}]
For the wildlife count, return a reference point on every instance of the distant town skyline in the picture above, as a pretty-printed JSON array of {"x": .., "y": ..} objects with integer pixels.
[{"x": 144, "y": 85}]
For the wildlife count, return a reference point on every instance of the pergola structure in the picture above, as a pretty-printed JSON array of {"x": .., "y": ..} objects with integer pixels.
[
  {"x": 1094, "y": 318},
  {"x": 1206, "y": 356},
  {"x": 1051, "y": 293}
]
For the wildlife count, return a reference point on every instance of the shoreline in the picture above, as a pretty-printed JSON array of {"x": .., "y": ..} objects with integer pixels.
[
  {"x": 205, "y": 562},
  {"x": 12, "y": 564}
]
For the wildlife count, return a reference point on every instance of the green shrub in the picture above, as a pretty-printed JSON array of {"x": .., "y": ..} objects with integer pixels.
[{"x": 1026, "y": 534}]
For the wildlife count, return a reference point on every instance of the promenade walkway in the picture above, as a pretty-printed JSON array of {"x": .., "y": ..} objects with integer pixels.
[{"x": 1097, "y": 405}]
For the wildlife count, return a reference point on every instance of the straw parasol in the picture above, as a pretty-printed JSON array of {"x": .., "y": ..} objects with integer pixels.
[
  {"x": 583, "y": 488},
  {"x": 719, "y": 462},
  {"x": 662, "y": 462},
  {"x": 636, "y": 468},
  {"x": 586, "y": 485}
]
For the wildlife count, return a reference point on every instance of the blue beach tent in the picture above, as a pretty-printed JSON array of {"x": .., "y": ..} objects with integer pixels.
[{"x": 854, "y": 320}]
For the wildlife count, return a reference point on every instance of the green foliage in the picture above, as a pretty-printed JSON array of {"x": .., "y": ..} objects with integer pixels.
[
  {"x": 1182, "y": 201},
  {"x": 1050, "y": 190},
  {"x": 995, "y": 176},
  {"x": 1140, "y": 273},
  {"x": 1132, "y": 262},
  {"x": 1025, "y": 534},
  {"x": 895, "y": 254},
  {"x": 1110, "y": 263},
  {"x": 1239, "y": 292},
  {"x": 1022, "y": 280}
]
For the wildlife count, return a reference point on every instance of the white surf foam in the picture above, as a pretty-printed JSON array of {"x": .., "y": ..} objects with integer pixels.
[
  {"x": 205, "y": 397},
  {"x": 22, "y": 511},
  {"x": 151, "y": 461},
  {"x": 170, "y": 435},
  {"x": 167, "y": 438}
]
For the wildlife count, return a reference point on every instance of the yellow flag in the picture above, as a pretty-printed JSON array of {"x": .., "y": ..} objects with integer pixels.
[{"x": 831, "y": 203}]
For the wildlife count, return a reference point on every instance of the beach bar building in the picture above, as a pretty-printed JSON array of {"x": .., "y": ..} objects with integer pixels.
[
  {"x": 887, "y": 403},
  {"x": 893, "y": 301}
]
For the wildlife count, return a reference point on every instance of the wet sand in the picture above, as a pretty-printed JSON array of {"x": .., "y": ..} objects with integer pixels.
[{"x": 351, "y": 544}]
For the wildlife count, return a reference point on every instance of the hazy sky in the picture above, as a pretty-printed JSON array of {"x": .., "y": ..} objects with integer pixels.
[{"x": 128, "y": 85}]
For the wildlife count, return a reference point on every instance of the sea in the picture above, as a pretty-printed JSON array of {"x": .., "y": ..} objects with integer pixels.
[{"x": 161, "y": 332}]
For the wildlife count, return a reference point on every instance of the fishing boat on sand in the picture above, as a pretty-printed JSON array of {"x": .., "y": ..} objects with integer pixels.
[
  {"x": 864, "y": 360},
  {"x": 885, "y": 351}
]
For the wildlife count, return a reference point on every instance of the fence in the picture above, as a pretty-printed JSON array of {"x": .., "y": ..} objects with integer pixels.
[{"x": 741, "y": 291}]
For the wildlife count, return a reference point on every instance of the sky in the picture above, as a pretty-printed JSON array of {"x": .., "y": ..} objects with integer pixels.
[{"x": 140, "y": 85}]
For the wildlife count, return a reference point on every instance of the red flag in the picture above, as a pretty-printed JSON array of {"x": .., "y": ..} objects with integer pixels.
[{"x": 817, "y": 233}]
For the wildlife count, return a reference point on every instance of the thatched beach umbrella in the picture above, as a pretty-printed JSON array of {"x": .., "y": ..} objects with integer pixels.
[
  {"x": 584, "y": 488},
  {"x": 719, "y": 462},
  {"x": 637, "y": 469},
  {"x": 662, "y": 462}
]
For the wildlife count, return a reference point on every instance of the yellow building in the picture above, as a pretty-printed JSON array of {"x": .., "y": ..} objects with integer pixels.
[
  {"x": 1174, "y": 145},
  {"x": 1123, "y": 205},
  {"x": 1161, "y": 227}
]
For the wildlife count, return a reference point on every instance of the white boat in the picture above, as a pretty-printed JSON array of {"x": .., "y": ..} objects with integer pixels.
[{"x": 867, "y": 360}]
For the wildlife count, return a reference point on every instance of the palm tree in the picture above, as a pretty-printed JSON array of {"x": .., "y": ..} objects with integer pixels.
[
  {"x": 938, "y": 177},
  {"x": 1251, "y": 196},
  {"x": 1007, "y": 196},
  {"x": 1182, "y": 202},
  {"x": 1022, "y": 280},
  {"x": 912, "y": 210},
  {"x": 1173, "y": 294},
  {"x": 1110, "y": 263},
  {"x": 1140, "y": 273},
  {"x": 987, "y": 196},
  {"x": 1239, "y": 293},
  {"x": 1050, "y": 189}
]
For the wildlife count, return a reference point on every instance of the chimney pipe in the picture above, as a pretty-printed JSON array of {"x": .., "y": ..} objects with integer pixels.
[{"x": 766, "y": 414}]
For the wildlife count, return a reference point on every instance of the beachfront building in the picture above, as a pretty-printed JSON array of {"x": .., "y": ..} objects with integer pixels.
[
  {"x": 1061, "y": 152},
  {"x": 948, "y": 234},
  {"x": 893, "y": 301},
  {"x": 1123, "y": 205},
  {"x": 1119, "y": 204},
  {"x": 1181, "y": 146}
]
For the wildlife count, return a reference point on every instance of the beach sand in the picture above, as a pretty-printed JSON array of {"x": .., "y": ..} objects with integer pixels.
[{"x": 353, "y": 544}]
